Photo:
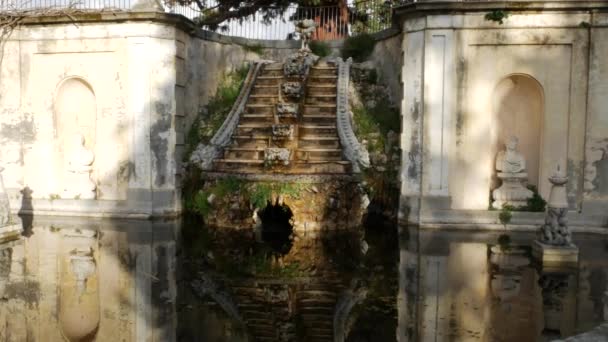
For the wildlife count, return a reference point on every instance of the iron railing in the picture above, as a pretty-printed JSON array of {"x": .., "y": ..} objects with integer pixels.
[{"x": 333, "y": 22}]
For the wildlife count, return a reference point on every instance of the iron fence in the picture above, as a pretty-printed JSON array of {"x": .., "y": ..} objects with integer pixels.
[{"x": 272, "y": 23}]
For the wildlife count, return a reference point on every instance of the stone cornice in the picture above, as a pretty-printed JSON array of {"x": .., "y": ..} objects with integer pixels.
[{"x": 434, "y": 7}]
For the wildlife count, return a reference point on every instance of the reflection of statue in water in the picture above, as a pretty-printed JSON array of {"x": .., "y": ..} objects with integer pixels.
[
  {"x": 511, "y": 167},
  {"x": 79, "y": 166}
]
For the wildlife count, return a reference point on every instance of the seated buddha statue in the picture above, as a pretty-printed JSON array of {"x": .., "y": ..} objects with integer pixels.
[
  {"x": 79, "y": 166},
  {"x": 511, "y": 167}
]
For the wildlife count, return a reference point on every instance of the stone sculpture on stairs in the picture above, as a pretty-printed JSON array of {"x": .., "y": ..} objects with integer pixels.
[{"x": 511, "y": 167}]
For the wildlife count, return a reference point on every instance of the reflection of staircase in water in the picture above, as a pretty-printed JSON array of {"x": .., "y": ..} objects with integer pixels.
[
  {"x": 288, "y": 310},
  {"x": 316, "y": 147}
]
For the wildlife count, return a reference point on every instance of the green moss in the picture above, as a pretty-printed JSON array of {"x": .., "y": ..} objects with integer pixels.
[
  {"x": 505, "y": 214},
  {"x": 212, "y": 116},
  {"x": 198, "y": 203},
  {"x": 504, "y": 241},
  {"x": 358, "y": 47},
  {"x": 497, "y": 16},
  {"x": 320, "y": 48},
  {"x": 261, "y": 193},
  {"x": 535, "y": 203}
]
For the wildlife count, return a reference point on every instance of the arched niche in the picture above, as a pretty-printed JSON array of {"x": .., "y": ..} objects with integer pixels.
[
  {"x": 518, "y": 102},
  {"x": 75, "y": 111}
]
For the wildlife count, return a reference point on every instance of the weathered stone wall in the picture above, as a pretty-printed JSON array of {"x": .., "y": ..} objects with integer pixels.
[
  {"x": 131, "y": 83},
  {"x": 388, "y": 59},
  {"x": 596, "y": 143},
  {"x": 452, "y": 67}
]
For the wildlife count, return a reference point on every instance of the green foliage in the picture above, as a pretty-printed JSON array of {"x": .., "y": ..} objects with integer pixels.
[
  {"x": 504, "y": 241},
  {"x": 535, "y": 203},
  {"x": 255, "y": 48},
  {"x": 214, "y": 113},
  {"x": 320, "y": 48},
  {"x": 505, "y": 214},
  {"x": 358, "y": 47},
  {"x": 200, "y": 205},
  {"x": 261, "y": 193},
  {"x": 584, "y": 24},
  {"x": 498, "y": 16}
]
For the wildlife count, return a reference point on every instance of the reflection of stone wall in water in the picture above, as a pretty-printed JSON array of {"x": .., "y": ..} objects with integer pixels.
[{"x": 74, "y": 279}]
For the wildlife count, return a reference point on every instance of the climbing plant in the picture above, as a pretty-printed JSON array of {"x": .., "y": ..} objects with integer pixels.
[{"x": 212, "y": 115}]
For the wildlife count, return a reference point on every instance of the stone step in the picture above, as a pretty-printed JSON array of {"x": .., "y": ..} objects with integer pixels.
[
  {"x": 322, "y": 77},
  {"x": 269, "y": 77},
  {"x": 317, "y": 138},
  {"x": 256, "y": 118},
  {"x": 310, "y": 100},
  {"x": 312, "y": 142},
  {"x": 320, "y": 96},
  {"x": 317, "y": 301},
  {"x": 262, "y": 100},
  {"x": 258, "y": 96},
  {"x": 333, "y": 154},
  {"x": 244, "y": 153},
  {"x": 239, "y": 161},
  {"x": 252, "y": 108},
  {"x": 253, "y": 129},
  {"x": 269, "y": 80},
  {"x": 323, "y": 71},
  {"x": 318, "y": 130},
  {"x": 272, "y": 72},
  {"x": 316, "y": 110},
  {"x": 319, "y": 118},
  {"x": 314, "y": 92},
  {"x": 265, "y": 90}
]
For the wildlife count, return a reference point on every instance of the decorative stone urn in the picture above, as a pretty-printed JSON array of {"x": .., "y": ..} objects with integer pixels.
[
  {"x": 79, "y": 166},
  {"x": 511, "y": 167},
  {"x": 305, "y": 29}
]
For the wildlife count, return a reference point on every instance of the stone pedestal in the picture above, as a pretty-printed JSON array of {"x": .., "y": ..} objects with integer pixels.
[
  {"x": 10, "y": 233},
  {"x": 555, "y": 257},
  {"x": 512, "y": 191}
]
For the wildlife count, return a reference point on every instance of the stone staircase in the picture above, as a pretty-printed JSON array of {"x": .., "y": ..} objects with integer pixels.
[
  {"x": 313, "y": 144},
  {"x": 270, "y": 310}
]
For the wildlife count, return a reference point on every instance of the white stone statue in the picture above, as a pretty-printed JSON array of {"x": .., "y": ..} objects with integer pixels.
[
  {"x": 511, "y": 167},
  {"x": 79, "y": 166},
  {"x": 305, "y": 28},
  {"x": 509, "y": 160}
]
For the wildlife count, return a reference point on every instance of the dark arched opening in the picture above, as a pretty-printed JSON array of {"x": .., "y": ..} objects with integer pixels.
[{"x": 276, "y": 227}]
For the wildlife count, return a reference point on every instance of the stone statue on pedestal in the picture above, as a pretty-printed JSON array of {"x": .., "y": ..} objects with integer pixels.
[
  {"x": 555, "y": 231},
  {"x": 79, "y": 166},
  {"x": 553, "y": 247},
  {"x": 511, "y": 167},
  {"x": 305, "y": 28}
]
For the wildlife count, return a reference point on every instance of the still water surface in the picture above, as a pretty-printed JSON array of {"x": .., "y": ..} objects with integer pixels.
[{"x": 121, "y": 280}]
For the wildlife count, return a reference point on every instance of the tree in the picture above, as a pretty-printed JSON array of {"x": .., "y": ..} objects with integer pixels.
[{"x": 214, "y": 14}]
